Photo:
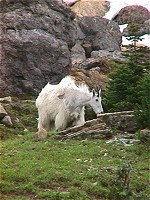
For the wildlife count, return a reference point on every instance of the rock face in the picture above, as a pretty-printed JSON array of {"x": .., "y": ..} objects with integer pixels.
[
  {"x": 115, "y": 55},
  {"x": 41, "y": 40},
  {"x": 35, "y": 38},
  {"x": 101, "y": 33}
]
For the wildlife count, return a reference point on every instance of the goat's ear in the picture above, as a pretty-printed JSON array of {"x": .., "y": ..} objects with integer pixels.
[{"x": 93, "y": 91}]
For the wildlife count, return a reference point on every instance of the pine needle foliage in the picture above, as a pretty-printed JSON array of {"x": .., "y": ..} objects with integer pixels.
[
  {"x": 121, "y": 93},
  {"x": 129, "y": 87},
  {"x": 143, "y": 114}
]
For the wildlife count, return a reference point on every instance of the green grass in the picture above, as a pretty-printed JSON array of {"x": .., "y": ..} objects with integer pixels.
[
  {"x": 49, "y": 169},
  {"x": 66, "y": 170},
  {"x": 24, "y": 117}
]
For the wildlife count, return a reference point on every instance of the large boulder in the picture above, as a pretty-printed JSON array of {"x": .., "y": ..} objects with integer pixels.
[
  {"x": 106, "y": 126},
  {"x": 124, "y": 121},
  {"x": 77, "y": 53},
  {"x": 36, "y": 37},
  {"x": 101, "y": 33},
  {"x": 132, "y": 14},
  {"x": 90, "y": 7}
]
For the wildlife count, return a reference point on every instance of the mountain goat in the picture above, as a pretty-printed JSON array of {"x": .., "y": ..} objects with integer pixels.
[{"x": 63, "y": 105}]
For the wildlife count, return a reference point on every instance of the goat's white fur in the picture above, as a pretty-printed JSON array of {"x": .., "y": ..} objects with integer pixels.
[{"x": 62, "y": 104}]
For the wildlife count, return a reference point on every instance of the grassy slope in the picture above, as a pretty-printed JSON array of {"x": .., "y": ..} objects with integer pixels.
[{"x": 66, "y": 170}]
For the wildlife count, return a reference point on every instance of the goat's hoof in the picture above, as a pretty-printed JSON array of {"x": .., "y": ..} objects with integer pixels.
[{"x": 41, "y": 134}]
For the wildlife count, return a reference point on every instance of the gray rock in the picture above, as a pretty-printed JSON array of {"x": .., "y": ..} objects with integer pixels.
[
  {"x": 101, "y": 128},
  {"x": 36, "y": 37},
  {"x": 6, "y": 121},
  {"x": 101, "y": 33},
  {"x": 132, "y": 14},
  {"x": 123, "y": 121},
  {"x": 145, "y": 135},
  {"x": 77, "y": 54},
  {"x": 4, "y": 118},
  {"x": 115, "y": 55},
  {"x": 2, "y": 115},
  {"x": 124, "y": 141},
  {"x": 3, "y": 112},
  {"x": 41, "y": 40},
  {"x": 90, "y": 8}
]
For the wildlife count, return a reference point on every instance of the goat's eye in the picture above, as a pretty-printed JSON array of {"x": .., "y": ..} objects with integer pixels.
[{"x": 96, "y": 99}]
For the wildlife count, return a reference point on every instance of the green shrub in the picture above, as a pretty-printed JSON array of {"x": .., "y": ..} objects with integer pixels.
[
  {"x": 143, "y": 114},
  {"x": 129, "y": 87},
  {"x": 121, "y": 93}
]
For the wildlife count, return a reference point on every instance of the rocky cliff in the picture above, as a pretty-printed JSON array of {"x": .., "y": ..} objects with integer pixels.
[
  {"x": 36, "y": 37},
  {"x": 42, "y": 39}
]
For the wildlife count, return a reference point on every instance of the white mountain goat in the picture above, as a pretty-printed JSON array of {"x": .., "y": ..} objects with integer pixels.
[{"x": 63, "y": 104}]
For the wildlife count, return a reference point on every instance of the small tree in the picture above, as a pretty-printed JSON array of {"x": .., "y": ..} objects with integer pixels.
[
  {"x": 133, "y": 34},
  {"x": 121, "y": 93},
  {"x": 129, "y": 87}
]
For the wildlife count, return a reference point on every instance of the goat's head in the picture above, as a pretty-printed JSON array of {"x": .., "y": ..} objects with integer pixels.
[{"x": 96, "y": 101}]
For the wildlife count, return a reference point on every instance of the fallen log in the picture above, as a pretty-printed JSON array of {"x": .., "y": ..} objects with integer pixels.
[
  {"x": 91, "y": 134},
  {"x": 102, "y": 126},
  {"x": 91, "y": 129},
  {"x": 78, "y": 128}
]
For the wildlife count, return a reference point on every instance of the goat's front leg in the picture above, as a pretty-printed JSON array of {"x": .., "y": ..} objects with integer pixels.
[
  {"x": 42, "y": 131},
  {"x": 80, "y": 120},
  {"x": 60, "y": 122}
]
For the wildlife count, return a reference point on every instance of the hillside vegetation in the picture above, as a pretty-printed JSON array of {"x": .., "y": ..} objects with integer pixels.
[{"x": 65, "y": 170}]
